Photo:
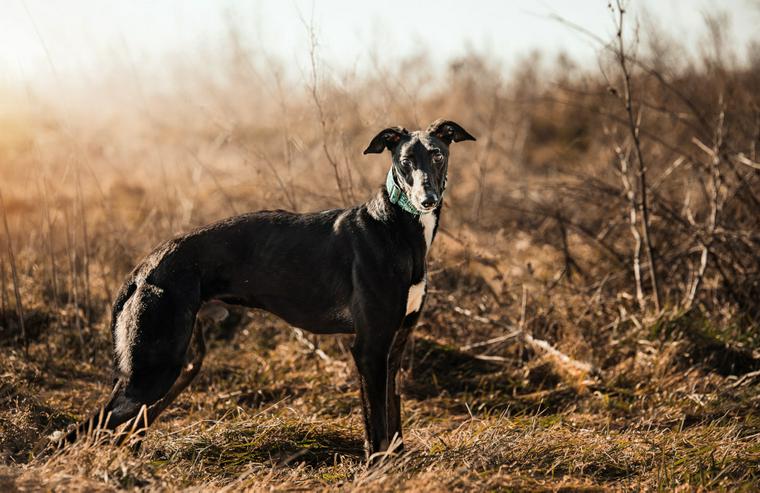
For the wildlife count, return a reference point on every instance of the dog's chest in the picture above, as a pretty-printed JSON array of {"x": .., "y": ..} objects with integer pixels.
[
  {"x": 417, "y": 290},
  {"x": 428, "y": 222},
  {"x": 415, "y": 296}
]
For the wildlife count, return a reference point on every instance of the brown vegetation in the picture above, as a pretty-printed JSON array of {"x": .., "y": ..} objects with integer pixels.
[{"x": 593, "y": 318}]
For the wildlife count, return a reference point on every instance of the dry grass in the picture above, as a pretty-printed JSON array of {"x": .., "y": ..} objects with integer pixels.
[
  {"x": 535, "y": 246},
  {"x": 267, "y": 413}
]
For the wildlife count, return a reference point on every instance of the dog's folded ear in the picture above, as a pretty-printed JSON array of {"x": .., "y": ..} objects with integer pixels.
[
  {"x": 448, "y": 131},
  {"x": 386, "y": 139}
]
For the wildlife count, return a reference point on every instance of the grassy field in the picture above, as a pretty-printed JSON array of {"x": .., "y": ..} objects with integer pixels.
[
  {"x": 268, "y": 413},
  {"x": 553, "y": 353}
]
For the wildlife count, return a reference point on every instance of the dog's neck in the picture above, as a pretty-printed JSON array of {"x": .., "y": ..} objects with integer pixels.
[{"x": 383, "y": 209}]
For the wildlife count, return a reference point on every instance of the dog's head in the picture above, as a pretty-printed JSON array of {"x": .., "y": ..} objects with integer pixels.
[{"x": 420, "y": 159}]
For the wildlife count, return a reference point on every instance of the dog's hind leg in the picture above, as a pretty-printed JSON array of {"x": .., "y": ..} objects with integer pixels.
[
  {"x": 152, "y": 333},
  {"x": 137, "y": 415},
  {"x": 194, "y": 361},
  {"x": 149, "y": 415},
  {"x": 208, "y": 315}
]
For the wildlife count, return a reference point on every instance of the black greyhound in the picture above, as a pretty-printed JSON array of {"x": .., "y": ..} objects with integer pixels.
[{"x": 342, "y": 271}]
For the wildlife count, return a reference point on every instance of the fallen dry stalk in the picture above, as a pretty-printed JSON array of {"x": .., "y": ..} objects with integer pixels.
[
  {"x": 301, "y": 338},
  {"x": 561, "y": 360}
]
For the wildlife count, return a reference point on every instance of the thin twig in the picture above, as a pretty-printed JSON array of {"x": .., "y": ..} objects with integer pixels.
[
  {"x": 72, "y": 256},
  {"x": 314, "y": 92},
  {"x": 630, "y": 193},
  {"x": 715, "y": 207},
  {"x": 14, "y": 276},
  {"x": 85, "y": 251},
  {"x": 50, "y": 244},
  {"x": 633, "y": 126},
  {"x": 218, "y": 185},
  {"x": 4, "y": 302}
]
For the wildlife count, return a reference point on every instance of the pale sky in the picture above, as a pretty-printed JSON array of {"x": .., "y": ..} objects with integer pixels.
[{"x": 71, "y": 40}]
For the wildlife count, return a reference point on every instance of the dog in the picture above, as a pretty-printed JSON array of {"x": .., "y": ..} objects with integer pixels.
[{"x": 360, "y": 271}]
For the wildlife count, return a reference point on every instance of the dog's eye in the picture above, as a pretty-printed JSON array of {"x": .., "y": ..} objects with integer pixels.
[
  {"x": 438, "y": 158},
  {"x": 406, "y": 163}
]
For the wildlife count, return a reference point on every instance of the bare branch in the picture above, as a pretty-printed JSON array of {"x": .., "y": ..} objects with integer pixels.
[{"x": 633, "y": 126}]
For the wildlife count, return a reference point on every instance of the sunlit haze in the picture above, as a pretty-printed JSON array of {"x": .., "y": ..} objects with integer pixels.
[{"x": 74, "y": 41}]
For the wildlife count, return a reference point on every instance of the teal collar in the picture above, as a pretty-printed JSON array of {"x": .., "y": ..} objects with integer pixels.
[{"x": 397, "y": 196}]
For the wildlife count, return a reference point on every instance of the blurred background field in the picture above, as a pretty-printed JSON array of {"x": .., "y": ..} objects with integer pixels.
[{"x": 585, "y": 328}]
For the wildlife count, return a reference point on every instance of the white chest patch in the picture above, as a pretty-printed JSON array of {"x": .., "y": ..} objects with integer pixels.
[
  {"x": 428, "y": 226},
  {"x": 414, "y": 298}
]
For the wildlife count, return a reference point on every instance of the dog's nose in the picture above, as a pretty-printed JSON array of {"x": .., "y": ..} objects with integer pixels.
[{"x": 429, "y": 200}]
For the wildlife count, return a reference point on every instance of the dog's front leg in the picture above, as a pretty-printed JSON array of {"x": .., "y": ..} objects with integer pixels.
[
  {"x": 371, "y": 356},
  {"x": 372, "y": 351},
  {"x": 394, "y": 364}
]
